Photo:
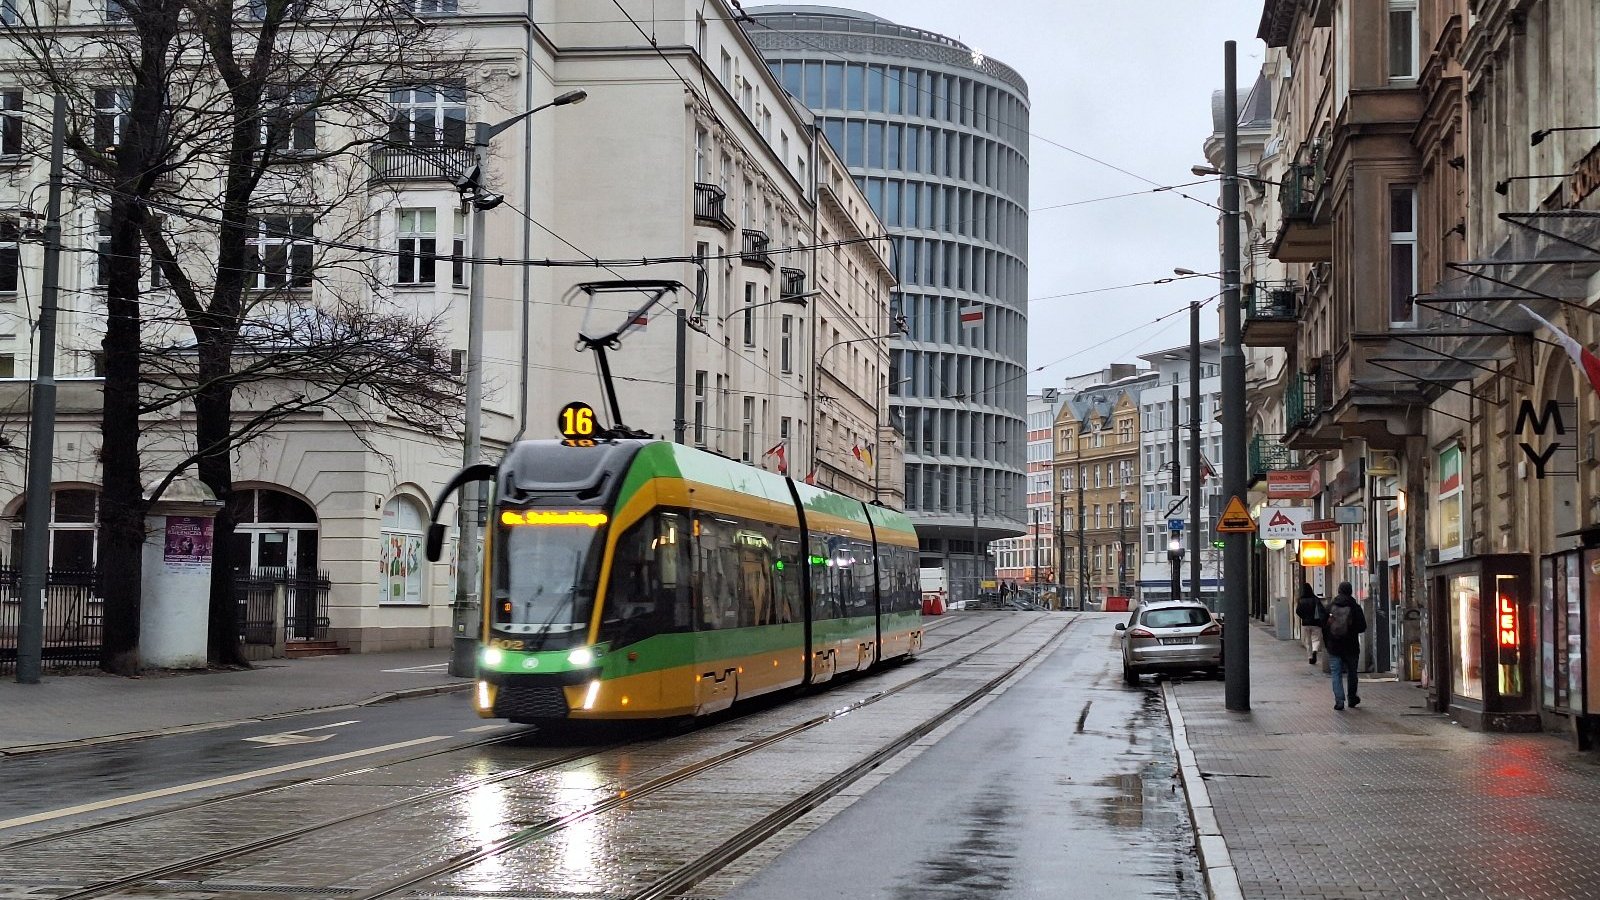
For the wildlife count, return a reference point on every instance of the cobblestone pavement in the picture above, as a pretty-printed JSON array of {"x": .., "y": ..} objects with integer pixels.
[
  {"x": 1387, "y": 800},
  {"x": 92, "y": 706}
]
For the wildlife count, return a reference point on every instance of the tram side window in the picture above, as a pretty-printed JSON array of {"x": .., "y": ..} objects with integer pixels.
[
  {"x": 755, "y": 559},
  {"x": 908, "y": 588},
  {"x": 825, "y": 586},
  {"x": 716, "y": 570},
  {"x": 648, "y": 593},
  {"x": 790, "y": 589},
  {"x": 860, "y": 571}
]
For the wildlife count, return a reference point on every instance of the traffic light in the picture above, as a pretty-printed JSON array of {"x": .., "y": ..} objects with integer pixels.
[{"x": 1219, "y": 544}]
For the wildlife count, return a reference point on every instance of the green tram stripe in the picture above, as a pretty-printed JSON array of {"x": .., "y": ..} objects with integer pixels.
[{"x": 668, "y": 651}]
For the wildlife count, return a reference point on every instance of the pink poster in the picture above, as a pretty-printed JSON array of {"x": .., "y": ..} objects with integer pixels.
[{"x": 188, "y": 544}]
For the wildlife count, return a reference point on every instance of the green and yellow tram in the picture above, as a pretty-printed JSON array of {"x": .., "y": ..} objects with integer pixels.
[{"x": 640, "y": 579}]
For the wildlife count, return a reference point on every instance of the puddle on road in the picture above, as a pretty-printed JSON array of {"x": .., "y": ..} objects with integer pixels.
[{"x": 984, "y": 867}]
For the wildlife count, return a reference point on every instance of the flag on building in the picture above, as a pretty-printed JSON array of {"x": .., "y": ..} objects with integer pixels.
[
  {"x": 811, "y": 477},
  {"x": 1206, "y": 472},
  {"x": 971, "y": 315},
  {"x": 778, "y": 451},
  {"x": 1587, "y": 361},
  {"x": 639, "y": 322},
  {"x": 866, "y": 454}
]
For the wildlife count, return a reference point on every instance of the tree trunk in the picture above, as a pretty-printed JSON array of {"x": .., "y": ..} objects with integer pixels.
[
  {"x": 122, "y": 503},
  {"x": 212, "y": 417}
]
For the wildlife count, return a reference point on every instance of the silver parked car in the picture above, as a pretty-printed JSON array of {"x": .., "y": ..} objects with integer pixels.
[{"x": 1171, "y": 636}]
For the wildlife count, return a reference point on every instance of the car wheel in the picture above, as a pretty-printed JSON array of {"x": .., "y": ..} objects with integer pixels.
[
  {"x": 1129, "y": 676},
  {"x": 1216, "y": 673}
]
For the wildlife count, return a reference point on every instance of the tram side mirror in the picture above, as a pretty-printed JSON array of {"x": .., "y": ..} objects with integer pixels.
[{"x": 435, "y": 541}]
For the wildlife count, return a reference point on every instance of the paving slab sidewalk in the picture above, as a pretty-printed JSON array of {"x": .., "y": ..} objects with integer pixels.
[
  {"x": 1387, "y": 800},
  {"x": 90, "y": 707}
]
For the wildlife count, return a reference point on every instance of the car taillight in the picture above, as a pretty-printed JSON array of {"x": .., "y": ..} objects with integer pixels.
[
  {"x": 1141, "y": 632},
  {"x": 1213, "y": 628}
]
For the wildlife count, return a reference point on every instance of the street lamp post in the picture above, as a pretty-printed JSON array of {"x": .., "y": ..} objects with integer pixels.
[
  {"x": 1195, "y": 477},
  {"x": 465, "y": 609},
  {"x": 1236, "y": 546}
]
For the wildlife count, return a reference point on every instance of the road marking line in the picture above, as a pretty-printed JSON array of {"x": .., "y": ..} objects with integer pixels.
[
  {"x": 428, "y": 669},
  {"x": 485, "y": 728},
  {"x": 292, "y": 738},
  {"x": 211, "y": 782}
]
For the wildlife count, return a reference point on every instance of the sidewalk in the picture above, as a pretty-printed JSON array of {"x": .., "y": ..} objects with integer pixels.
[
  {"x": 94, "y": 708},
  {"x": 1387, "y": 800}
]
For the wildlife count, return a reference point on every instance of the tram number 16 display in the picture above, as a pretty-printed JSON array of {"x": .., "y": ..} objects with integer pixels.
[{"x": 576, "y": 423}]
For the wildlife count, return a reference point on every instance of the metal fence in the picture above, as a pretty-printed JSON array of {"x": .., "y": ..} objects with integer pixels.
[
  {"x": 280, "y": 605},
  {"x": 72, "y": 619}
]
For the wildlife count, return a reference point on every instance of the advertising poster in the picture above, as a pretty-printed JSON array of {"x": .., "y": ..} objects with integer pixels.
[{"x": 188, "y": 543}]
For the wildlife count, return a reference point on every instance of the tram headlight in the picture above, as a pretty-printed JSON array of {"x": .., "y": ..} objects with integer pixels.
[
  {"x": 582, "y": 656},
  {"x": 492, "y": 657}
]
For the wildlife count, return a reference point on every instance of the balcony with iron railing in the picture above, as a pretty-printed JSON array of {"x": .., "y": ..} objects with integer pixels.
[
  {"x": 1268, "y": 454},
  {"x": 792, "y": 284},
  {"x": 1301, "y": 237},
  {"x": 1271, "y": 313},
  {"x": 421, "y": 163},
  {"x": 755, "y": 249},
  {"x": 710, "y": 206},
  {"x": 1307, "y": 397}
]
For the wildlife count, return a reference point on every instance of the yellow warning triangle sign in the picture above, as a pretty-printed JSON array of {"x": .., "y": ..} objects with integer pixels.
[{"x": 1236, "y": 518}]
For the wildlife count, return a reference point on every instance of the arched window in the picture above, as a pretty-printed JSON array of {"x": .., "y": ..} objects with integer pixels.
[
  {"x": 74, "y": 515},
  {"x": 273, "y": 530},
  {"x": 400, "y": 552}
]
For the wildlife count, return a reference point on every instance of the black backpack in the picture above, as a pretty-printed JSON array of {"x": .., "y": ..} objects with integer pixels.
[{"x": 1339, "y": 621}]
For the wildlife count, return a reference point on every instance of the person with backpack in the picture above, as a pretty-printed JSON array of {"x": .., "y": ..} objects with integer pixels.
[
  {"x": 1311, "y": 613},
  {"x": 1341, "y": 634}
]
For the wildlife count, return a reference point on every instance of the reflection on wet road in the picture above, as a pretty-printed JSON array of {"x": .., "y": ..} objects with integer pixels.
[{"x": 1064, "y": 786}]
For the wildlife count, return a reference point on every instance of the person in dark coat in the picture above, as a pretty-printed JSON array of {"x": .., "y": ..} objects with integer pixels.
[
  {"x": 1311, "y": 613},
  {"x": 1341, "y": 635}
]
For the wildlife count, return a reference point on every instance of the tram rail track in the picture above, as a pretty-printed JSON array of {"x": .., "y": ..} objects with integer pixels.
[{"x": 162, "y": 875}]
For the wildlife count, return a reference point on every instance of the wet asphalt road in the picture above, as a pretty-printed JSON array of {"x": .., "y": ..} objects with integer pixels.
[
  {"x": 105, "y": 772},
  {"x": 1063, "y": 787}
]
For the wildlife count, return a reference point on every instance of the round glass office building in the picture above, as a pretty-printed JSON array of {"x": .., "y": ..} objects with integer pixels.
[{"x": 936, "y": 134}]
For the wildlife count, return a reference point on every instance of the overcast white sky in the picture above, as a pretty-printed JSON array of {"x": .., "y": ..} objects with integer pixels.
[{"x": 1129, "y": 83}]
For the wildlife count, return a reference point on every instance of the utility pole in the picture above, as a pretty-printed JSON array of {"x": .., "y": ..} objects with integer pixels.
[
  {"x": 1122, "y": 542},
  {"x": 35, "y": 574},
  {"x": 465, "y": 610},
  {"x": 1059, "y": 559},
  {"x": 1236, "y": 546},
  {"x": 1195, "y": 475},
  {"x": 1175, "y": 545},
  {"x": 1035, "y": 535}
]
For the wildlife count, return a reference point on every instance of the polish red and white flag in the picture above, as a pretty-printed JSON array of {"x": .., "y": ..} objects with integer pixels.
[{"x": 1586, "y": 360}]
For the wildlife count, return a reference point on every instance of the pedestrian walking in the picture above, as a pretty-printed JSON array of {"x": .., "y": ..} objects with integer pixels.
[
  {"x": 1311, "y": 613},
  {"x": 1341, "y": 635}
]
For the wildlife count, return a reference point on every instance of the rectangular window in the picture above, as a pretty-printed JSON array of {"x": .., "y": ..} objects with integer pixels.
[
  {"x": 1402, "y": 255},
  {"x": 700, "y": 408},
  {"x": 749, "y": 314},
  {"x": 8, "y": 365},
  {"x": 110, "y": 116},
  {"x": 10, "y": 121},
  {"x": 1450, "y": 491},
  {"x": 458, "y": 250},
  {"x": 700, "y": 35},
  {"x": 747, "y": 433},
  {"x": 9, "y": 256},
  {"x": 115, "y": 12},
  {"x": 102, "y": 248},
  {"x": 1466, "y": 639},
  {"x": 290, "y": 123},
  {"x": 418, "y": 246},
  {"x": 786, "y": 348},
  {"x": 434, "y": 116},
  {"x": 1402, "y": 39},
  {"x": 282, "y": 251}
]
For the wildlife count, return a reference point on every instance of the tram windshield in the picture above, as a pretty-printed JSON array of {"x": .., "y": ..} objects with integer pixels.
[{"x": 545, "y": 579}]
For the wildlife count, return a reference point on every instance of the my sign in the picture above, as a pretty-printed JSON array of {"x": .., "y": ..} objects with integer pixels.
[
  {"x": 1283, "y": 522},
  {"x": 1291, "y": 484},
  {"x": 1541, "y": 421}
]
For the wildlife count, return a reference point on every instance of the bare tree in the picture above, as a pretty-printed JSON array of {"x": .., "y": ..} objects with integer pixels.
[{"x": 231, "y": 142}]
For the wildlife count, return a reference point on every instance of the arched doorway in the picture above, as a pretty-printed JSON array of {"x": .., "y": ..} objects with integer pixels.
[{"x": 273, "y": 530}]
